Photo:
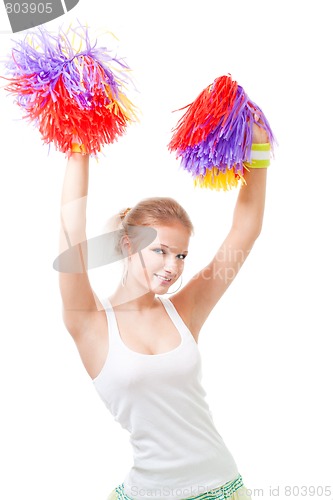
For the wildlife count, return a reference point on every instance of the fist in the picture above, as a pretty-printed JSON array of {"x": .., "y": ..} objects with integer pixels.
[{"x": 259, "y": 135}]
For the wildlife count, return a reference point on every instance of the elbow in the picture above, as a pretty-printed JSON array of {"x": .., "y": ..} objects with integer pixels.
[
  {"x": 256, "y": 231},
  {"x": 251, "y": 236},
  {"x": 249, "y": 231}
]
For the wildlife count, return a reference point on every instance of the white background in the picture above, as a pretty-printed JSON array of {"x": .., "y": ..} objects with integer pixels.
[{"x": 266, "y": 347}]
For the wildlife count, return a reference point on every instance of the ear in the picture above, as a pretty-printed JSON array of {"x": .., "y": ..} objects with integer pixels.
[{"x": 125, "y": 245}]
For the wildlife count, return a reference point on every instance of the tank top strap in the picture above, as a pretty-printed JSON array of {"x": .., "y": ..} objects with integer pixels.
[
  {"x": 111, "y": 319},
  {"x": 114, "y": 335},
  {"x": 175, "y": 316},
  {"x": 107, "y": 305}
]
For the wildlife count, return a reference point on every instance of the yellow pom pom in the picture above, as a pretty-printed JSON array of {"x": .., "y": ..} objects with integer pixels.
[{"x": 215, "y": 179}]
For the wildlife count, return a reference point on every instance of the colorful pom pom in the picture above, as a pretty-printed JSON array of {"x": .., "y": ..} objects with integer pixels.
[
  {"x": 214, "y": 136},
  {"x": 71, "y": 95}
]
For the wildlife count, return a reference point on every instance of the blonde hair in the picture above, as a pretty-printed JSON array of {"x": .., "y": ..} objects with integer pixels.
[{"x": 149, "y": 212}]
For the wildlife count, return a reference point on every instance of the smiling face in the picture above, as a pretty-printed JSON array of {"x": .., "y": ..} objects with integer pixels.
[{"x": 162, "y": 262}]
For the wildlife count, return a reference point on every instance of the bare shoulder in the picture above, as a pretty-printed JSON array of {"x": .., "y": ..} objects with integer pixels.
[
  {"x": 181, "y": 303},
  {"x": 92, "y": 342}
]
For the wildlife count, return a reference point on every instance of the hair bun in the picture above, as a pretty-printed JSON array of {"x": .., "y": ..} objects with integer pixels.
[{"x": 123, "y": 213}]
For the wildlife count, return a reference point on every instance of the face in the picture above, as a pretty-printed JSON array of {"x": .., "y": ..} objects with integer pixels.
[{"x": 162, "y": 261}]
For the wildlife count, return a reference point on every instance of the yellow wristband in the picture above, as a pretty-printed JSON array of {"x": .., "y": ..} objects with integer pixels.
[
  {"x": 260, "y": 156},
  {"x": 78, "y": 148}
]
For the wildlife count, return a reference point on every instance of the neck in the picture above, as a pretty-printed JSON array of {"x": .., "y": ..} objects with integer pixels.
[{"x": 129, "y": 298}]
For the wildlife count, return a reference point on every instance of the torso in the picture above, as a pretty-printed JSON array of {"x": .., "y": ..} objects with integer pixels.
[{"x": 146, "y": 333}]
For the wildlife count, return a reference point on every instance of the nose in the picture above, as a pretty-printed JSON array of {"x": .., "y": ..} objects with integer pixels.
[{"x": 171, "y": 265}]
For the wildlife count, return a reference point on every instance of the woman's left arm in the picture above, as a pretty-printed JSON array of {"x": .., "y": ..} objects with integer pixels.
[{"x": 197, "y": 299}]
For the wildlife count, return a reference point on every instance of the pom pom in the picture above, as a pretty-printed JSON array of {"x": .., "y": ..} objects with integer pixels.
[
  {"x": 71, "y": 95},
  {"x": 214, "y": 136}
]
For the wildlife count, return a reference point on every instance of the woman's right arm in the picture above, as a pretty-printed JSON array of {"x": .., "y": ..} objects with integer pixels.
[{"x": 80, "y": 303}]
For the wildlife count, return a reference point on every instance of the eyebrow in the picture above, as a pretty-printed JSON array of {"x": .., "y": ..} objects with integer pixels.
[{"x": 166, "y": 246}]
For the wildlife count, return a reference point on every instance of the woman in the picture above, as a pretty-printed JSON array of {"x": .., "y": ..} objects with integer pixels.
[{"x": 141, "y": 350}]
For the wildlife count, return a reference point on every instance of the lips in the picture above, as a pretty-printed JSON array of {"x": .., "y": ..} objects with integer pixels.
[{"x": 163, "y": 278}]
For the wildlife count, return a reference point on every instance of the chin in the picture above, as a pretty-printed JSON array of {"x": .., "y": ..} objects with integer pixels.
[{"x": 161, "y": 290}]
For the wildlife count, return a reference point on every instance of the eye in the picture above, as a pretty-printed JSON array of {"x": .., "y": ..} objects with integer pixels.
[
  {"x": 181, "y": 256},
  {"x": 158, "y": 250}
]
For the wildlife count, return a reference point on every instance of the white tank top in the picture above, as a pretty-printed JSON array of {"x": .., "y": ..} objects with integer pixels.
[{"x": 159, "y": 399}]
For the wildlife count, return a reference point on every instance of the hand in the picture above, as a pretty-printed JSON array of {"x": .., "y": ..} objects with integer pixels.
[{"x": 259, "y": 135}]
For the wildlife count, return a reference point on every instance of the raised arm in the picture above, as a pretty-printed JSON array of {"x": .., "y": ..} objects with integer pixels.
[
  {"x": 79, "y": 300},
  {"x": 197, "y": 299}
]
